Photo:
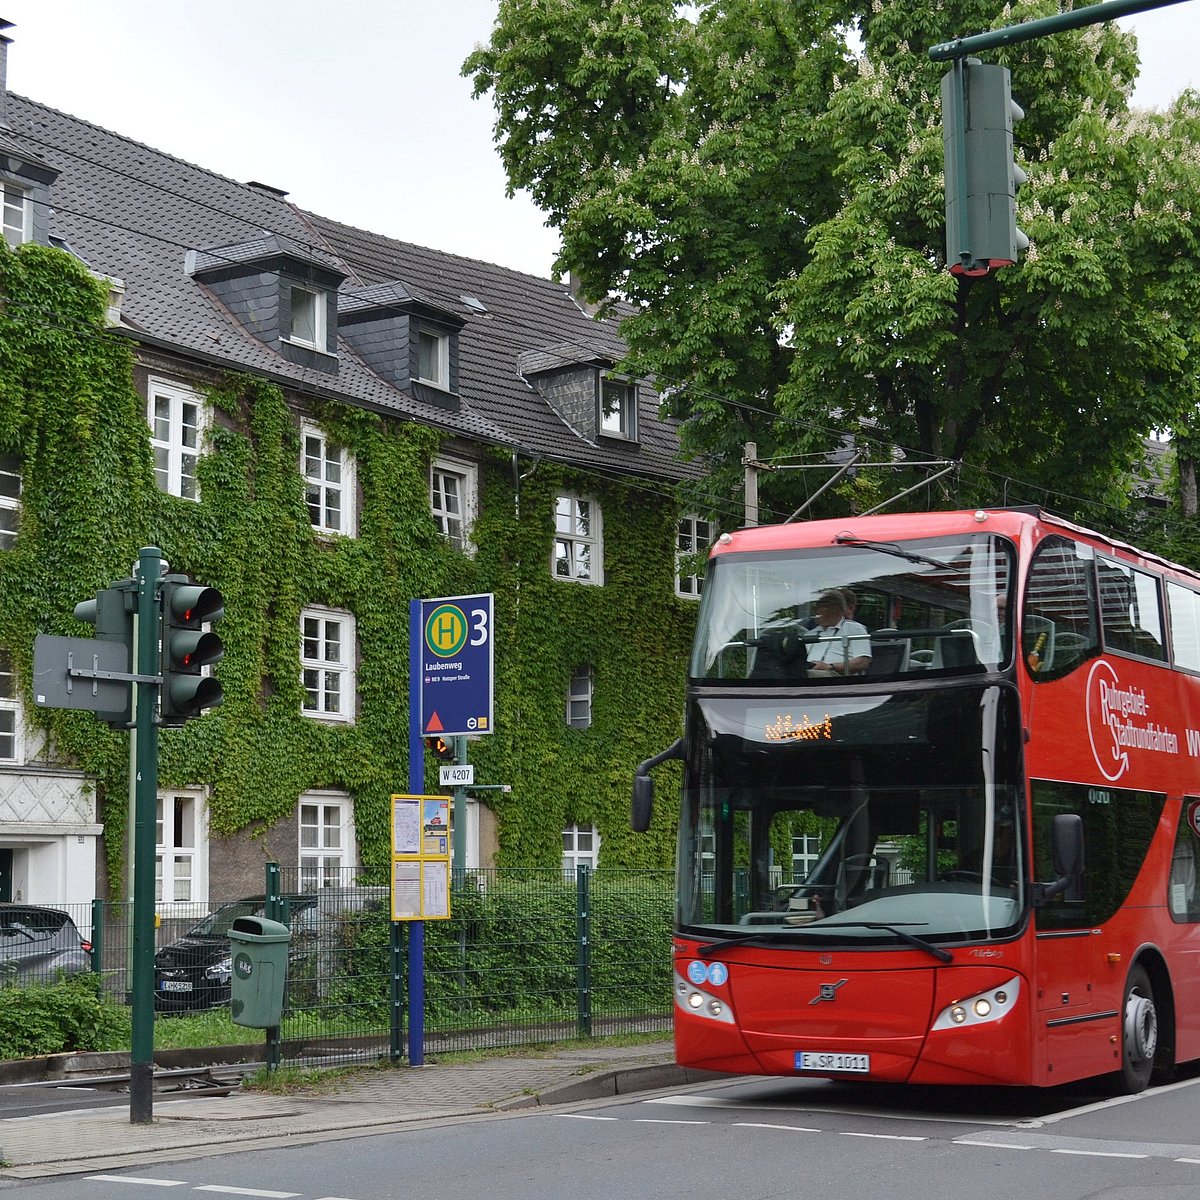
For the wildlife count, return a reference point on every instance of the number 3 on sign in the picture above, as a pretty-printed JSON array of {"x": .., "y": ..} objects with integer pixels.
[{"x": 480, "y": 618}]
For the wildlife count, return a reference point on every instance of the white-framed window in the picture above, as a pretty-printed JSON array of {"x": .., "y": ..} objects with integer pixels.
[
  {"x": 618, "y": 408},
  {"x": 18, "y": 214},
  {"x": 578, "y": 544},
  {"x": 806, "y": 849},
  {"x": 579, "y": 698},
  {"x": 176, "y": 416},
  {"x": 433, "y": 358},
  {"x": 10, "y": 499},
  {"x": 11, "y": 749},
  {"x": 329, "y": 482},
  {"x": 308, "y": 317},
  {"x": 181, "y": 849},
  {"x": 327, "y": 650},
  {"x": 327, "y": 851},
  {"x": 581, "y": 848},
  {"x": 693, "y": 537},
  {"x": 453, "y": 491}
]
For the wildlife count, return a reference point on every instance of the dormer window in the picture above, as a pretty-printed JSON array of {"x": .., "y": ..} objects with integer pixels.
[
  {"x": 18, "y": 227},
  {"x": 282, "y": 292},
  {"x": 433, "y": 358},
  {"x": 308, "y": 317},
  {"x": 618, "y": 408}
]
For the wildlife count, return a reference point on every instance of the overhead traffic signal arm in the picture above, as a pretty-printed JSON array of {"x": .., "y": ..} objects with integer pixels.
[
  {"x": 982, "y": 177},
  {"x": 187, "y": 648}
]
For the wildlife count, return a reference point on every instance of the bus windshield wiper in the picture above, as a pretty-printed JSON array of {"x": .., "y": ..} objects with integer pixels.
[
  {"x": 938, "y": 952},
  {"x": 743, "y": 939},
  {"x": 848, "y": 539}
]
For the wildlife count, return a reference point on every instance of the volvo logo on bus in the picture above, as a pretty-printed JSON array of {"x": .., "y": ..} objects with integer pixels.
[{"x": 828, "y": 991}]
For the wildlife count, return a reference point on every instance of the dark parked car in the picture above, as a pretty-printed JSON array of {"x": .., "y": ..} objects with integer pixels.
[
  {"x": 37, "y": 943},
  {"x": 193, "y": 972}
]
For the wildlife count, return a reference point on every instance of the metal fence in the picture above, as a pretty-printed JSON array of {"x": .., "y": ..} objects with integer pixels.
[{"x": 526, "y": 956}]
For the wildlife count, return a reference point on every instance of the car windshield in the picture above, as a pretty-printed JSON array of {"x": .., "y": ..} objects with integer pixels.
[
  {"x": 856, "y": 610},
  {"x": 873, "y": 818},
  {"x": 217, "y": 924}
]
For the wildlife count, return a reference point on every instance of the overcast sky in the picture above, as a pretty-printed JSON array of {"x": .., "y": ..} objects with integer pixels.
[{"x": 356, "y": 109}]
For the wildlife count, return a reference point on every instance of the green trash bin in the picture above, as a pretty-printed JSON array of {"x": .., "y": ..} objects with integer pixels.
[{"x": 259, "y": 950}]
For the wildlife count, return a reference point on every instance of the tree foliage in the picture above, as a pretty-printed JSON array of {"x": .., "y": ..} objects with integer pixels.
[{"x": 762, "y": 179}]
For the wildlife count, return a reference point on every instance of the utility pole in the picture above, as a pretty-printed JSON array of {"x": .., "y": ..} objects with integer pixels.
[{"x": 751, "y": 463}]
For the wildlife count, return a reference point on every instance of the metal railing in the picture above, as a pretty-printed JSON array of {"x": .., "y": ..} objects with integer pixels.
[{"x": 527, "y": 956}]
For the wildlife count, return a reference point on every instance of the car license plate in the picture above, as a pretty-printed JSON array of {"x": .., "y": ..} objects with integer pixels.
[
  {"x": 176, "y": 985},
  {"x": 856, "y": 1064}
]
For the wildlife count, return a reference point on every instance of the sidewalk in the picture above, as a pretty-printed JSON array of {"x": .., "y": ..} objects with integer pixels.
[{"x": 374, "y": 1102}]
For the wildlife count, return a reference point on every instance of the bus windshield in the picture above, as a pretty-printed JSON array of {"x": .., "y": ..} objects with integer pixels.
[
  {"x": 856, "y": 609},
  {"x": 867, "y": 819}
]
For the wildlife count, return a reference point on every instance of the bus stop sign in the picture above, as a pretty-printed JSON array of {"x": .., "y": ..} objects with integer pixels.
[{"x": 455, "y": 652}]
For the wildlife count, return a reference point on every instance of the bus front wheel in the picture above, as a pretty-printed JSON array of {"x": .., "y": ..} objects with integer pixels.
[{"x": 1139, "y": 1032}]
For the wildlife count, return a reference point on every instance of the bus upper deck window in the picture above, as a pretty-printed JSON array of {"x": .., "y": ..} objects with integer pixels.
[{"x": 1059, "y": 628}]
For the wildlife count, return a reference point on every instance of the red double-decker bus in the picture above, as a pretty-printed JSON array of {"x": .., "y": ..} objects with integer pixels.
[{"x": 941, "y": 806}]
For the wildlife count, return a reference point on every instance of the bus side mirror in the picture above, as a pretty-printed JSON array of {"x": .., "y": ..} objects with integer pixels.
[
  {"x": 643, "y": 787},
  {"x": 643, "y": 803},
  {"x": 1066, "y": 840}
]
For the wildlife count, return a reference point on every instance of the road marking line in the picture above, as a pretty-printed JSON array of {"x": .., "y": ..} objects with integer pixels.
[
  {"x": 1195, "y": 1161},
  {"x": 749, "y": 1105},
  {"x": 237, "y": 1191},
  {"x": 660, "y": 1121},
  {"x": 763, "y": 1125},
  {"x": 1111, "y": 1102},
  {"x": 1099, "y": 1153},
  {"x": 575, "y": 1117},
  {"x": 884, "y": 1137},
  {"x": 134, "y": 1179}
]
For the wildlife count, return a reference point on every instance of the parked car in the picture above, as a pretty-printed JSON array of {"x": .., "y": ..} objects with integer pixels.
[
  {"x": 193, "y": 972},
  {"x": 37, "y": 943}
]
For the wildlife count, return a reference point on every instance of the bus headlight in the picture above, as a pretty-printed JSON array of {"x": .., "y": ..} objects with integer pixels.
[
  {"x": 980, "y": 1009},
  {"x": 699, "y": 1003}
]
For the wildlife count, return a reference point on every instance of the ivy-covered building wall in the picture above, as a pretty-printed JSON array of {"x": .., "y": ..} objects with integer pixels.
[{"x": 74, "y": 431}]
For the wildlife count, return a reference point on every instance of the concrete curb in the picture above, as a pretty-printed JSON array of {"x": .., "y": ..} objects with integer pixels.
[{"x": 601, "y": 1085}]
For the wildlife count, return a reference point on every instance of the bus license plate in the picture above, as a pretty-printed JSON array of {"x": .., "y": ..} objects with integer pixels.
[{"x": 858, "y": 1064}]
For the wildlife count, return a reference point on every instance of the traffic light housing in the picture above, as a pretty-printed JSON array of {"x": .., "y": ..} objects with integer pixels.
[
  {"x": 187, "y": 648},
  {"x": 440, "y": 748},
  {"x": 111, "y": 613},
  {"x": 982, "y": 178}
]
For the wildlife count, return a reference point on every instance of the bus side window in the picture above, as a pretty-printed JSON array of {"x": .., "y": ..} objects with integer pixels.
[
  {"x": 1058, "y": 620},
  {"x": 1130, "y": 611},
  {"x": 1182, "y": 901},
  {"x": 1184, "y": 606}
]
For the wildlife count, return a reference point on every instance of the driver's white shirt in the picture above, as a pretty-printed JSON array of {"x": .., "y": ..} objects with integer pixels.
[{"x": 845, "y": 640}]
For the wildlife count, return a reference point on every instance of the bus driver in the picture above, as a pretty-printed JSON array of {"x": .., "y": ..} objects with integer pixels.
[{"x": 844, "y": 646}]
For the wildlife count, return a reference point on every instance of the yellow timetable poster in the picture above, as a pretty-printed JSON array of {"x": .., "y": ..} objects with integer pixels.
[{"x": 420, "y": 858}]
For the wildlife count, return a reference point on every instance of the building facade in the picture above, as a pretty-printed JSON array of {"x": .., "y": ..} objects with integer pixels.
[{"x": 324, "y": 423}]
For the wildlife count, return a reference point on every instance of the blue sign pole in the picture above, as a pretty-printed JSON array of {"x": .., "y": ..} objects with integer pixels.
[{"x": 416, "y": 785}]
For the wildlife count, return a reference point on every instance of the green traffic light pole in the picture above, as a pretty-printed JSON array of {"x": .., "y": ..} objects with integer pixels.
[
  {"x": 145, "y": 797},
  {"x": 1093, "y": 14}
]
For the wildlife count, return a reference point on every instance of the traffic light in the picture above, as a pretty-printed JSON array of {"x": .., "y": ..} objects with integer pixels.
[
  {"x": 187, "y": 648},
  {"x": 111, "y": 612},
  {"x": 981, "y": 177},
  {"x": 440, "y": 748}
]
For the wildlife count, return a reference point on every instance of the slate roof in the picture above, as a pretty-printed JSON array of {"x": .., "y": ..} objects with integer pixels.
[{"x": 134, "y": 213}]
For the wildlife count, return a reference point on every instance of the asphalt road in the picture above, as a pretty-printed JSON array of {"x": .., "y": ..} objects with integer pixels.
[{"x": 742, "y": 1139}]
